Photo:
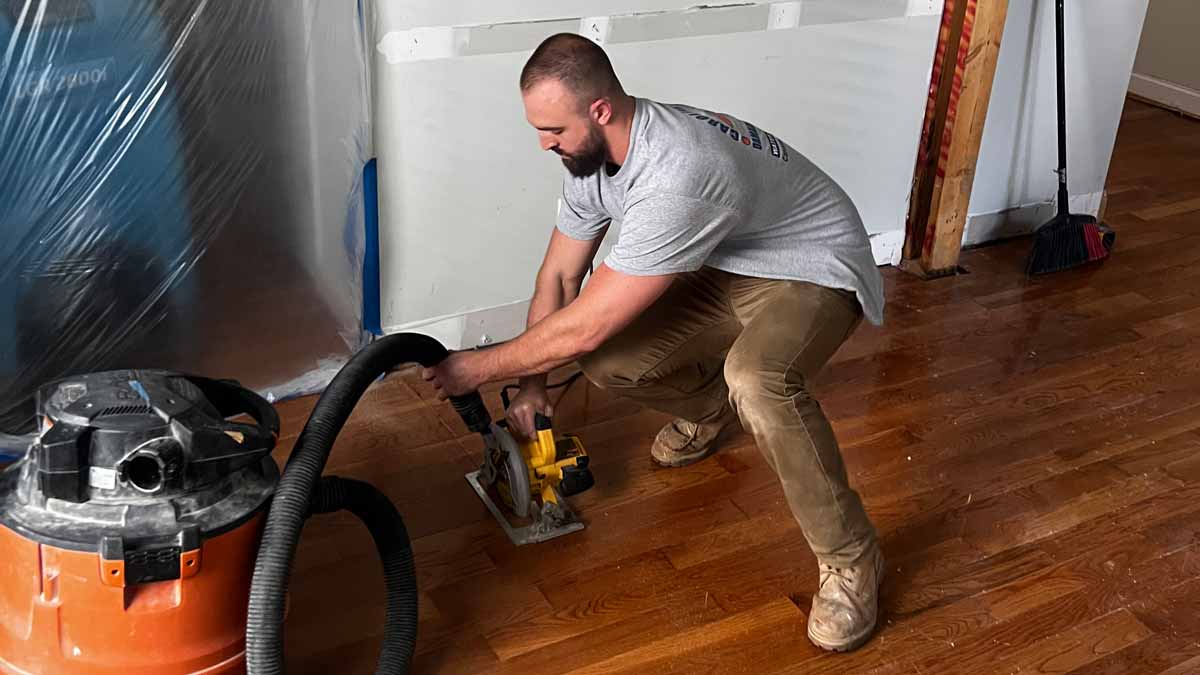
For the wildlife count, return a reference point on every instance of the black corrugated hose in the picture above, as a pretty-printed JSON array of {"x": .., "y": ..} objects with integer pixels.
[
  {"x": 297, "y": 489},
  {"x": 386, "y": 526}
]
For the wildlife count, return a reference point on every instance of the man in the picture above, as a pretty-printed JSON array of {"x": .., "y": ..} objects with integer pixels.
[{"x": 739, "y": 270}]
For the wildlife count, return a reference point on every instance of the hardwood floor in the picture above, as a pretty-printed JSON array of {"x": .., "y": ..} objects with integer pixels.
[{"x": 1030, "y": 451}]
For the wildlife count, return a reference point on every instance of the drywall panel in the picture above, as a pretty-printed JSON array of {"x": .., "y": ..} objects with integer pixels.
[
  {"x": 1015, "y": 177},
  {"x": 468, "y": 199}
]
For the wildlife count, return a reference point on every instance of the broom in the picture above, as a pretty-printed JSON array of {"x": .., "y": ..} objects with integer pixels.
[{"x": 1067, "y": 240}]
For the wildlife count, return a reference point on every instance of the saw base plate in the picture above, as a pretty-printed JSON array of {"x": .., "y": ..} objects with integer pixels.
[{"x": 553, "y": 521}]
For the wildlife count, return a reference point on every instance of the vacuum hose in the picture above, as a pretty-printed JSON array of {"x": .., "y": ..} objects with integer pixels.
[
  {"x": 298, "y": 494},
  {"x": 376, "y": 511}
]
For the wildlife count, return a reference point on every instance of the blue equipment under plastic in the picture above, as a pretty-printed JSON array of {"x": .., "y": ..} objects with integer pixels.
[{"x": 93, "y": 189}]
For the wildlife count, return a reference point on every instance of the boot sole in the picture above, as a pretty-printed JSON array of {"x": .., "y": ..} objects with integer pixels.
[
  {"x": 843, "y": 647},
  {"x": 684, "y": 460},
  {"x": 681, "y": 460},
  {"x": 860, "y": 640}
]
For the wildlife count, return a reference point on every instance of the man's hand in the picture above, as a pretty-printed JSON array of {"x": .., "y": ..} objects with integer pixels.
[
  {"x": 531, "y": 399},
  {"x": 458, "y": 374}
]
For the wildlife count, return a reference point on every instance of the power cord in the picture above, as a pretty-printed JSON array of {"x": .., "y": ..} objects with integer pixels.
[{"x": 565, "y": 385}]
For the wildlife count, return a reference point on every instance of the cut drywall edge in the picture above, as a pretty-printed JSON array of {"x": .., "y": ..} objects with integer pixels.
[
  {"x": 1022, "y": 220},
  {"x": 444, "y": 42},
  {"x": 497, "y": 324},
  {"x": 472, "y": 329},
  {"x": 1169, "y": 94}
]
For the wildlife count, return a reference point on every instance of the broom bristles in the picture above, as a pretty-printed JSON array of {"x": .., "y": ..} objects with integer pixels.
[{"x": 1067, "y": 242}]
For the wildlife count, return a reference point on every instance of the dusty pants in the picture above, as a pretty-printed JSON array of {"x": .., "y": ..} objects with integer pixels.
[{"x": 716, "y": 339}]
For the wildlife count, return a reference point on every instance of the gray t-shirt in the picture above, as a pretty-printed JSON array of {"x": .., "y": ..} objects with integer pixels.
[{"x": 701, "y": 188}]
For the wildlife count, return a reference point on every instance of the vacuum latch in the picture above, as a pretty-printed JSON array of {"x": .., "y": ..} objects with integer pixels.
[{"x": 123, "y": 565}]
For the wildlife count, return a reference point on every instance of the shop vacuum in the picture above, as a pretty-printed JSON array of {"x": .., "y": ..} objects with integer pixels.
[{"x": 148, "y": 530}]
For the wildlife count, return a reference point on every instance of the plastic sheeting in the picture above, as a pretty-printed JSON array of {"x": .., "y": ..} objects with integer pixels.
[{"x": 179, "y": 188}]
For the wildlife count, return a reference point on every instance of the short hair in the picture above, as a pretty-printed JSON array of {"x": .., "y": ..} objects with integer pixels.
[{"x": 578, "y": 63}]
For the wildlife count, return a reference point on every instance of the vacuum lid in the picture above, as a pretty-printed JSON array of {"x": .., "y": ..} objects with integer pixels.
[
  {"x": 142, "y": 454},
  {"x": 134, "y": 433}
]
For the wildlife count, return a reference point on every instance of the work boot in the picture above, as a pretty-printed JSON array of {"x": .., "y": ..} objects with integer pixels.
[
  {"x": 846, "y": 606},
  {"x": 682, "y": 442}
]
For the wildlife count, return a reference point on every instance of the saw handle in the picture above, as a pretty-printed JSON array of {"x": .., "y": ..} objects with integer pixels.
[{"x": 541, "y": 422}]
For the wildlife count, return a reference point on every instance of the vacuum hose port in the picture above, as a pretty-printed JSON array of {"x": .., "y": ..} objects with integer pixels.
[{"x": 144, "y": 471}]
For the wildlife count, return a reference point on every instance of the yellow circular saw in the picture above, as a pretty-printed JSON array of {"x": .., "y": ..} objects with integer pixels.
[{"x": 532, "y": 480}]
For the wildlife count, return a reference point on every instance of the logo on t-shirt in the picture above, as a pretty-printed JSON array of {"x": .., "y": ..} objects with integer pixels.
[{"x": 751, "y": 136}]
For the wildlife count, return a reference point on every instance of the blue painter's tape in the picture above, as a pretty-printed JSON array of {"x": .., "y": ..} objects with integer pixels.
[
  {"x": 13, "y": 448},
  {"x": 371, "y": 318},
  {"x": 141, "y": 391}
]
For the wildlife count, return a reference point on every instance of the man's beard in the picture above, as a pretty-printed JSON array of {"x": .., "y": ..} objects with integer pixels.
[{"x": 590, "y": 159}]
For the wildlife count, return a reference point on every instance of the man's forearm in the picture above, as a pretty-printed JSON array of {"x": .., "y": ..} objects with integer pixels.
[
  {"x": 611, "y": 302},
  {"x": 558, "y": 339},
  {"x": 549, "y": 296}
]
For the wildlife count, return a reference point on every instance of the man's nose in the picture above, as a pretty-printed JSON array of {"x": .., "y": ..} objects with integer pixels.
[{"x": 548, "y": 143}]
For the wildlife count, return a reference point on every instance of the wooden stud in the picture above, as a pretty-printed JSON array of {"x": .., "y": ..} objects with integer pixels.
[
  {"x": 939, "y": 222},
  {"x": 944, "y": 238},
  {"x": 941, "y": 98}
]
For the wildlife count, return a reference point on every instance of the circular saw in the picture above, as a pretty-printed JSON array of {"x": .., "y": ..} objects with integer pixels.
[{"x": 532, "y": 480}]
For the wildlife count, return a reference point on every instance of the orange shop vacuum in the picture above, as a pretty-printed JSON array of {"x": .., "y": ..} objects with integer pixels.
[{"x": 148, "y": 531}]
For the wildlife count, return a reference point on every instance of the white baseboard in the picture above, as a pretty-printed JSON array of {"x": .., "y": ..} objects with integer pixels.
[
  {"x": 1168, "y": 94},
  {"x": 1014, "y": 222}
]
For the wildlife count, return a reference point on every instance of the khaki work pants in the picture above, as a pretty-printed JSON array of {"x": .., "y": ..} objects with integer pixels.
[{"x": 716, "y": 339}]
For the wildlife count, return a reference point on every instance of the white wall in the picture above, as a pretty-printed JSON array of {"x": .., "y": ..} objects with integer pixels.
[
  {"x": 1167, "y": 69},
  {"x": 468, "y": 199},
  {"x": 1015, "y": 183}
]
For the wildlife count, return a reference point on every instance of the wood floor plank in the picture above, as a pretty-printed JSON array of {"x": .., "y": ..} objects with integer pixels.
[
  {"x": 1105, "y": 571},
  {"x": 467, "y": 654},
  {"x": 1020, "y": 456},
  {"x": 507, "y": 600},
  {"x": 1173, "y": 209},
  {"x": 1040, "y": 523},
  {"x": 980, "y": 575},
  {"x": 726, "y": 540},
  {"x": 586, "y": 616},
  {"x": 624, "y": 532},
  {"x": 1083, "y": 586},
  {"x": 1016, "y": 639},
  {"x": 610, "y": 640},
  {"x": 1188, "y": 667},
  {"x": 750, "y": 639},
  {"x": 1080, "y": 645},
  {"x": 1156, "y": 654}
]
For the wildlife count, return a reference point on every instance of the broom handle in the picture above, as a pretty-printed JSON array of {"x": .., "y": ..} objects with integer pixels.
[{"x": 1062, "y": 111}]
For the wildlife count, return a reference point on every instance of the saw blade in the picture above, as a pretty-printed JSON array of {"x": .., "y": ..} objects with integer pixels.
[{"x": 513, "y": 477}]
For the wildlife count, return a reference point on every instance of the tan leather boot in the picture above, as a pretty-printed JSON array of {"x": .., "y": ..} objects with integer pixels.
[
  {"x": 682, "y": 442},
  {"x": 846, "y": 607}
]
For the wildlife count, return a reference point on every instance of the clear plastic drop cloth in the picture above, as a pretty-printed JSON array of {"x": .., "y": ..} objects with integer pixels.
[{"x": 180, "y": 187}]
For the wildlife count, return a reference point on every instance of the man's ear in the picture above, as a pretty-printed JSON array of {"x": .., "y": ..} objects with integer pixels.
[{"x": 600, "y": 111}]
